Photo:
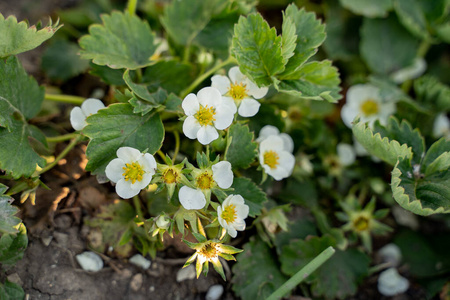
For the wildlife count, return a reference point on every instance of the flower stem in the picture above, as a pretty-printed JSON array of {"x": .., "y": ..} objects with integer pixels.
[
  {"x": 177, "y": 145},
  {"x": 131, "y": 7},
  {"x": 302, "y": 274},
  {"x": 161, "y": 154},
  {"x": 61, "y": 155},
  {"x": 205, "y": 75},
  {"x": 137, "y": 205},
  {"x": 65, "y": 99},
  {"x": 61, "y": 138}
]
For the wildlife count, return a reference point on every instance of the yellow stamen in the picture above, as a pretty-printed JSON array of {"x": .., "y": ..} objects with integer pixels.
[
  {"x": 170, "y": 176},
  {"x": 205, "y": 181},
  {"x": 237, "y": 91},
  {"x": 229, "y": 213},
  {"x": 361, "y": 223},
  {"x": 370, "y": 107},
  {"x": 271, "y": 159},
  {"x": 209, "y": 251},
  {"x": 133, "y": 172},
  {"x": 205, "y": 115}
]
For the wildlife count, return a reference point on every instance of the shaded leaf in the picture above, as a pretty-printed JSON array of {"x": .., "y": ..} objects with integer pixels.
[
  {"x": 122, "y": 41},
  {"x": 11, "y": 291},
  {"x": 12, "y": 246},
  {"x": 171, "y": 75},
  {"x": 117, "y": 126},
  {"x": 429, "y": 90},
  {"x": 368, "y": 8},
  {"x": 412, "y": 17},
  {"x": 18, "y": 37},
  {"x": 241, "y": 149},
  {"x": 254, "y": 197}
]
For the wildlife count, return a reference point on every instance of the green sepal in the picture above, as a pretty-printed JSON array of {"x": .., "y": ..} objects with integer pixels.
[
  {"x": 200, "y": 237},
  {"x": 219, "y": 269}
]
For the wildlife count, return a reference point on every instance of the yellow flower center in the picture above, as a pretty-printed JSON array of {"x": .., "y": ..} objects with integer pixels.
[
  {"x": 209, "y": 251},
  {"x": 271, "y": 159},
  {"x": 170, "y": 176},
  {"x": 205, "y": 181},
  {"x": 361, "y": 223},
  {"x": 229, "y": 213},
  {"x": 237, "y": 91},
  {"x": 370, "y": 107},
  {"x": 133, "y": 172},
  {"x": 205, "y": 115}
]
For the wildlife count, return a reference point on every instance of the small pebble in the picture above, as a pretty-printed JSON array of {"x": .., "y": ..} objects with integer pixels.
[
  {"x": 186, "y": 273},
  {"x": 391, "y": 283},
  {"x": 140, "y": 261},
  {"x": 90, "y": 261},
  {"x": 214, "y": 292},
  {"x": 136, "y": 282}
]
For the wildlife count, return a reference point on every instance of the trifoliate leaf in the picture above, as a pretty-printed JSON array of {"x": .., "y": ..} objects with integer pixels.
[
  {"x": 310, "y": 35},
  {"x": 171, "y": 75},
  {"x": 386, "y": 46},
  {"x": 380, "y": 146},
  {"x": 257, "y": 49},
  {"x": 122, "y": 41},
  {"x": 11, "y": 291},
  {"x": 184, "y": 19},
  {"x": 7, "y": 219},
  {"x": 117, "y": 126},
  {"x": 20, "y": 99},
  {"x": 430, "y": 91},
  {"x": 352, "y": 266},
  {"x": 18, "y": 37},
  {"x": 254, "y": 197},
  {"x": 12, "y": 246},
  {"x": 256, "y": 272},
  {"x": 315, "y": 81},
  {"x": 425, "y": 189},
  {"x": 62, "y": 61},
  {"x": 241, "y": 149},
  {"x": 368, "y": 8}
]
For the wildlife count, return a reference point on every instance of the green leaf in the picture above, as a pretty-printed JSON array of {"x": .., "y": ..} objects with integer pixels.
[
  {"x": 386, "y": 46},
  {"x": 11, "y": 291},
  {"x": 337, "y": 278},
  {"x": 7, "y": 219},
  {"x": 300, "y": 229},
  {"x": 256, "y": 273},
  {"x": 310, "y": 35},
  {"x": 368, "y": 8},
  {"x": 254, "y": 197},
  {"x": 257, "y": 48},
  {"x": 422, "y": 194},
  {"x": 18, "y": 37},
  {"x": 62, "y": 61},
  {"x": 436, "y": 158},
  {"x": 171, "y": 75},
  {"x": 380, "y": 146},
  {"x": 184, "y": 19},
  {"x": 288, "y": 38},
  {"x": 431, "y": 91},
  {"x": 412, "y": 17},
  {"x": 117, "y": 126},
  {"x": 20, "y": 99},
  {"x": 241, "y": 149},
  {"x": 108, "y": 75},
  {"x": 315, "y": 81},
  {"x": 122, "y": 41},
  {"x": 12, "y": 246}
]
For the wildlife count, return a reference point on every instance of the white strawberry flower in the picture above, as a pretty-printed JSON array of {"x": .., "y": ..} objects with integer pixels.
[
  {"x": 346, "y": 154},
  {"x": 78, "y": 115},
  {"x": 241, "y": 90},
  {"x": 206, "y": 112},
  {"x": 191, "y": 198},
  {"x": 269, "y": 130},
  {"x": 441, "y": 126},
  {"x": 231, "y": 214},
  {"x": 276, "y": 161},
  {"x": 132, "y": 171},
  {"x": 364, "y": 100}
]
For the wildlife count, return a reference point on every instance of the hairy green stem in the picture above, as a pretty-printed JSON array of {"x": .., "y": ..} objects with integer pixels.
[
  {"x": 61, "y": 155},
  {"x": 61, "y": 138},
  {"x": 131, "y": 7},
  {"x": 205, "y": 75},
  {"x": 65, "y": 99},
  {"x": 137, "y": 205},
  {"x": 302, "y": 274},
  {"x": 177, "y": 145}
]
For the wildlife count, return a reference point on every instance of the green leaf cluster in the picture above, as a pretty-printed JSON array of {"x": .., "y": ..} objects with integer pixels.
[{"x": 281, "y": 60}]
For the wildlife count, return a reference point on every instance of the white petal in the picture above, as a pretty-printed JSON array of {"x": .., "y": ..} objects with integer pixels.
[
  {"x": 222, "y": 174},
  {"x": 255, "y": 91},
  {"x": 220, "y": 82},
  {"x": 77, "y": 118},
  {"x": 91, "y": 106},
  {"x": 227, "y": 200},
  {"x": 236, "y": 200},
  {"x": 242, "y": 211},
  {"x": 441, "y": 125},
  {"x": 139, "y": 185},
  {"x": 124, "y": 189},
  {"x": 207, "y": 134},
  {"x": 148, "y": 163},
  {"x": 361, "y": 92},
  {"x": 191, "y": 127},
  {"x": 224, "y": 117},
  {"x": 266, "y": 131},
  {"x": 287, "y": 142},
  {"x": 348, "y": 114},
  {"x": 346, "y": 154},
  {"x": 209, "y": 96},
  {"x": 128, "y": 154},
  {"x": 229, "y": 103},
  {"x": 231, "y": 231},
  {"x": 391, "y": 283},
  {"x": 287, "y": 161},
  {"x": 191, "y": 198},
  {"x": 410, "y": 72},
  {"x": 239, "y": 225},
  {"x": 272, "y": 143},
  {"x": 236, "y": 75},
  {"x": 114, "y": 170},
  {"x": 190, "y": 105},
  {"x": 249, "y": 107}
]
